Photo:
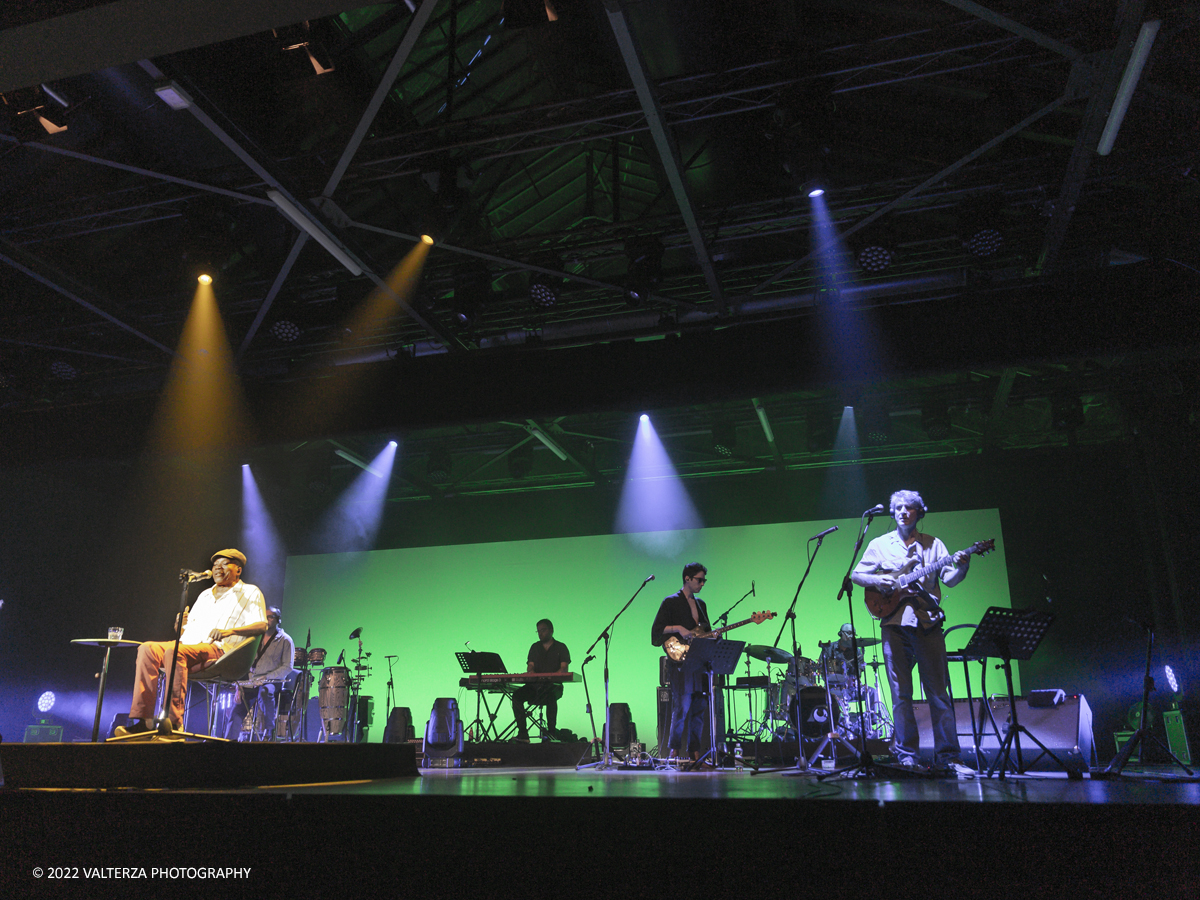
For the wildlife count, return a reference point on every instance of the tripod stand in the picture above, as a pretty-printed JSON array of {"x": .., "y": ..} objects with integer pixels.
[
  {"x": 477, "y": 663},
  {"x": 1143, "y": 732}
]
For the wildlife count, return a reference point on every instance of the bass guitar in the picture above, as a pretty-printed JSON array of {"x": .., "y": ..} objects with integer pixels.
[
  {"x": 881, "y": 604},
  {"x": 677, "y": 648}
]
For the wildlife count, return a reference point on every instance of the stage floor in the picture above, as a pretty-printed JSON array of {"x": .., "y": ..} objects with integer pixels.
[{"x": 548, "y": 832}]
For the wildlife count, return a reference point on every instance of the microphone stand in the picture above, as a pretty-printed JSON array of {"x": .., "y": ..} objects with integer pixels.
[
  {"x": 721, "y": 621},
  {"x": 605, "y": 761},
  {"x": 865, "y": 768},
  {"x": 163, "y": 724},
  {"x": 790, "y": 616}
]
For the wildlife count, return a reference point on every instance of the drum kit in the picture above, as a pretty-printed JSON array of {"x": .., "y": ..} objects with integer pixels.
[{"x": 805, "y": 684}]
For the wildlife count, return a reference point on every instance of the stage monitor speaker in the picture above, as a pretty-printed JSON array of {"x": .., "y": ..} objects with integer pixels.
[
  {"x": 399, "y": 727},
  {"x": 622, "y": 726},
  {"x": 1066, "y": 729},
  {"x": 1177, "y": 735}
]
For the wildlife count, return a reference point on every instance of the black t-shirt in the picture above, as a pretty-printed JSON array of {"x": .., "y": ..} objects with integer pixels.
[{"x": 549, "y": 660}]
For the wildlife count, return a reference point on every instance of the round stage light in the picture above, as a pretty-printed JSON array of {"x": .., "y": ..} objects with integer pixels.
[
  {"x": 816, "y": 192},
  {"x": 285, "y": 330},
  {"x": 426, "y": 239},
  {"x": 205, "y": 279},
  {"x": 1172, "y": 680},
  {"x": 984, "y": 243},
  {"x": 875, "y": 258},
  {"x": 643, "y": 417},
  {"x": 46, "y": 702},
  {"x": 63, "y": 371}
]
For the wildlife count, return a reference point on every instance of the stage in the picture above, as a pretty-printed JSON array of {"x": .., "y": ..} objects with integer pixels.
[{"x": 508, "y": 831}]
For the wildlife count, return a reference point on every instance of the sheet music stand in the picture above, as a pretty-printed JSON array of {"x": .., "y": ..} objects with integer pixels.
[
  {"x": 1009, "y": 634},
  {"x": 479, "y": 663},
  {"x": 719, "y": 658}
]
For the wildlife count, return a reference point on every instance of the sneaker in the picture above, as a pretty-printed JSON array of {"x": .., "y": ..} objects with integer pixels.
[
  {"x": 958, "y": 770},
  {"x": 522, "y": 739},
  {"x": 139, "y": 727}
]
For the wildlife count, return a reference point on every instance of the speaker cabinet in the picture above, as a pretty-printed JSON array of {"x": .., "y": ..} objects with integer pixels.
[
  {"x": 663, "y": 695},
  {"x": 1066, "y": 729},
  {"x": 399, "y": 727},
  {"x": 623, "y": 729}
]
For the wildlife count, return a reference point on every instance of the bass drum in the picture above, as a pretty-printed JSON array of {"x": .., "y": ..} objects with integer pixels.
[
  {"x": 817, "y": 718},
  {"x": 333, "y": 691}
]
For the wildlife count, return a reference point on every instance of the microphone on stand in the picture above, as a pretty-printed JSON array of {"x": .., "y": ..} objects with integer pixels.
[
  {"x": 823, "y": 533},
  {"x": 878, "y": 510},
  {"x": 341, "y": 657},
  {"x": 752, "y": 594},
  {"x": 194, "y": 576},
  {"x": 648, "y": 580}
]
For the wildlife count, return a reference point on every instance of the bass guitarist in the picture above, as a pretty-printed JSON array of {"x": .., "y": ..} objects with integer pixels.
[
  {"x": 680, "y": 614},
  {"x": 912, "y": 632}
]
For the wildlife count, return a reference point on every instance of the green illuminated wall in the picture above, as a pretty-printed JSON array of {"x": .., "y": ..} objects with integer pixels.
[{"x": 422, "y": 604}]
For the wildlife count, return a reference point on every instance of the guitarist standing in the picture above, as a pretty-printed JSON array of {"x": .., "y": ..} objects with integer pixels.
[
  {"x": 912, "y": 632},
  {"x": 680, "y": 615}
]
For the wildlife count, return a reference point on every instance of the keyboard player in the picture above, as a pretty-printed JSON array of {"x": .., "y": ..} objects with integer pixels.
[{"x": 545, "y": 656}]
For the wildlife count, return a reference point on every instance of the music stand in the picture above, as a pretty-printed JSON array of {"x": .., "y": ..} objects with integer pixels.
[
  {"x": 718, "y": 658},
  {"x": 1009, "y": 634},
  {"x": 477, "y": 663}
]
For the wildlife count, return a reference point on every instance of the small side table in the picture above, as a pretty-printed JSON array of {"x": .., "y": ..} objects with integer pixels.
[{"x": 108, "y": 645}]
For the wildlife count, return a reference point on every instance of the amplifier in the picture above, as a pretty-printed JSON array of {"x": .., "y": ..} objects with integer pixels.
[{"x": 1066, "y": 729}]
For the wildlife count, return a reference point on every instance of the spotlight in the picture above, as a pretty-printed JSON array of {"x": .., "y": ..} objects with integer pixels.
[
  {"x": 935, "y": 419},
  {"x": 1066, "y": 412},
  {"x": 46, "y": 702},
  {"x": 644, "y": 418},
  {"x": 393, "y": 444},
  {"x": 644, "y": 255},
  {"x": 875, "y": 258},
  {"x": 439, "y": 465},
  {"x": 876, "y": 425},
  {"x": 724, "y": 438},
  {"x": 985, "y": 242},
  {"x": 285, "y": 331},
  {"x": 543, "y": 292},
  {"x": 1171, "y": 680},
  {"x": 63, "y": 371},
  {"x": 205, "y": 279},
  {"x": 427, "y": 239},
  {"x": 520, "y": 461},
  {"x": 817, "y": 192}
]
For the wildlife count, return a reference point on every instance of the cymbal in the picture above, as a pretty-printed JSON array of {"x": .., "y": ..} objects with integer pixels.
[
  {"x": 869, "y": 642},
  {"x": 768, "y": 654}
]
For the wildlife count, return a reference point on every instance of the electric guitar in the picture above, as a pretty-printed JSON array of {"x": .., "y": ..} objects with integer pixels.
[
  {"x": 677, "y": 648},
  {"x": 881, "y": 605}
]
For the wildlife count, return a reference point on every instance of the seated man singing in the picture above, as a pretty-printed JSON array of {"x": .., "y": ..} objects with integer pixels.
[{"x": 222, "y": 617}]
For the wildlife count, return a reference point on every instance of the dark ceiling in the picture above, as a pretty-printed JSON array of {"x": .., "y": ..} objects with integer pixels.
[{"x": 649, "y": 163}]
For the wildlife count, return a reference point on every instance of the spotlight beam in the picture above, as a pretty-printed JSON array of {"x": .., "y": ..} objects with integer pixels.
[
  {"x": 927, "y": 183},
  {"x": 451, "y": 341}
]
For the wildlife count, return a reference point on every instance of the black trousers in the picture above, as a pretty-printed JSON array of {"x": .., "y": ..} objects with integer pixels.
[{"x": 545, "y": 695}]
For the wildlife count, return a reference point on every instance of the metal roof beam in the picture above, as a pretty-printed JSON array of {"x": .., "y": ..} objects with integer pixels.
[{"x": 664, "y": 141}]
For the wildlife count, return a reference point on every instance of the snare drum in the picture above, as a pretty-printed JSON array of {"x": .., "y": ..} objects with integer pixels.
[
  {"x": 316, "y": 656},
  {"x": 333, "y": 693}
]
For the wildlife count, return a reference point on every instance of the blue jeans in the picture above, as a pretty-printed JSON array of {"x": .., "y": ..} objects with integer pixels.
[
  {"x": 689, "y": 708},
  {"x": 902, "y": 646}
]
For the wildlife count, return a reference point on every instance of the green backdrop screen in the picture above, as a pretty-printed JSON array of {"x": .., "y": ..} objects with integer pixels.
[{"x": 423, "y": 604}]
